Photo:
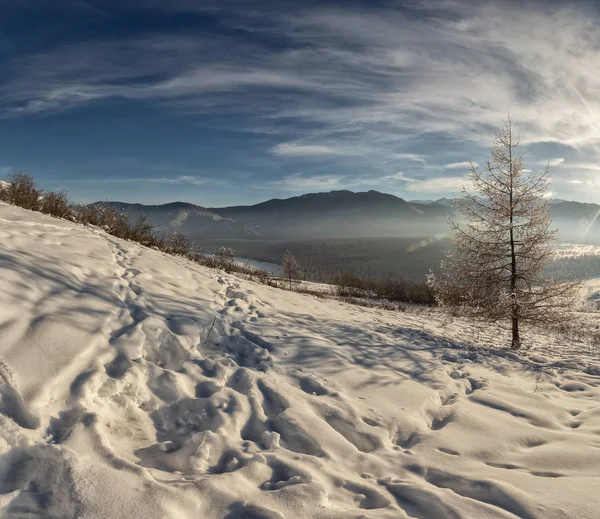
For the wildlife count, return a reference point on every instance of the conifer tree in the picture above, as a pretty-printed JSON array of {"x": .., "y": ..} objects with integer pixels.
[{"x": 501, "y": 242}]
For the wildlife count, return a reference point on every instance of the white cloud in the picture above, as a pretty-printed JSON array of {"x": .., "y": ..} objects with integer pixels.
[
  {"x": 574, "y": 181},
  {"x": 399, "y": 176},
  {"x": 413, "y": 157},
  {"x": 181, "y": 179},
  {"x": 460, "y": 165},
  {"x": 551, "y": 162},
  {"x": 585, "y": 166},
  {"x": 177, "y": 180},
  {"x": 304, "y": 150},
  {"x": 440, "y": 185},
  {"x": 302, "y": 184}
]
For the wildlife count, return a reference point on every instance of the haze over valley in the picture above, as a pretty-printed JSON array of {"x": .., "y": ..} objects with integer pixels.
[{"x": 370, "y": 233}]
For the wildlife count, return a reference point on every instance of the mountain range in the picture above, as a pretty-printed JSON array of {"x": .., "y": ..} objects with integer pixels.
[{"x": 336, "y": 214}]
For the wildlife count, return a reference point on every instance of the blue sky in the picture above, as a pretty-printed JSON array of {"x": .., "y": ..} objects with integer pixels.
[{"x": 235, "y": 102}]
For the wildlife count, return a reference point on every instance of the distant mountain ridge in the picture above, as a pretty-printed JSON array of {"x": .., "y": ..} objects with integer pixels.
[
  {"x": 333, "y": 214},
  {"x": 194, "y": 220}
]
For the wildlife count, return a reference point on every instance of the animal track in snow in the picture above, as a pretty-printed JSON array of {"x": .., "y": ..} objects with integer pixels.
[
  {"x": 206, "y": 389},
  {"x": 537, "y": 473},
  {"x": 417, "y": 502},
  {"x": 406, "y": 439},
  {"x": 363, "y": 441},
  {"x": 370, "y": 422},
  {"x": 11, "y": 402},
  {"x": 312, "y": 386},
  {"x": 295, "y": 436},
  {"x": 366, "y": 497},
  {"x": 230, "y": 461},
  {"x": 283, "y": 475},
  {"x": 452, "y": 399},
  {"x": 242, "y": 510},
  {"x": 439, "y": 422},
  {"x": 485, "y": 491},
  {"x": 450, "y": 452},
  {"x": 273, "y": 403}
]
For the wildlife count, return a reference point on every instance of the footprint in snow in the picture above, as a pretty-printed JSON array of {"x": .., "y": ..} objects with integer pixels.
[
  {"x": 283, "y": 475},
  {"x": 366, "y": 497},
  {"x": 439, "y": 422},
  {"x": 312, "y": 386},
  {"x": 11, "y": 402},
  {"x": 242, "y": 510},
  {"x": 450, "y": 452},
  {"x": 273, "y": 403}
]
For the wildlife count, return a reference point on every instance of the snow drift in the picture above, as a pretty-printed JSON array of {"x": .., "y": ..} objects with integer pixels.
[{"x": 134, "y": 384}]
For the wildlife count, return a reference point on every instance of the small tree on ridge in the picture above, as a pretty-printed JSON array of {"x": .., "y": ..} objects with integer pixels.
[{"x": 289, "y": 266}]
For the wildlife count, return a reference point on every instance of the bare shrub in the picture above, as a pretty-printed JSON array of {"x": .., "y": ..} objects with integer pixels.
[
  {"x": 205, "y": 260},
  {"x": 306, "y": 289},
  {"x": 141, "y": 232},
  {"x": 177, "y": 243},
  {"x": 87, "y": 214},
  {"x": 22, "y": 191},
  {"x": 264, "y": 277},
  {"x": 255, "y": 274},
  {"x": 56, "y": 203},
  {"x": 348, "y": 284},
  {"x": 226, "y": 258},
  {"x": 400, "y": 289},
  {"x": 390, "y": 288},
  {"x": 289, "y": 267},
  {"x": 113, "y": 221}
]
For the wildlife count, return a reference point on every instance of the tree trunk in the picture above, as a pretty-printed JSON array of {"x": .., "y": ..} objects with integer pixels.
[{"x": 516, "y": 339}]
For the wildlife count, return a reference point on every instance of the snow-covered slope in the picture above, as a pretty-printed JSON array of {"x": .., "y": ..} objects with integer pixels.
[{"x": 134, "y": 384}]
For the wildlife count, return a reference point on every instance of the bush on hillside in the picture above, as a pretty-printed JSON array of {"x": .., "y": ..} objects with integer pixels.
[
  {"x": 21, "y": 191},
  {"x": 56, "y": 203},
  {"x": 141, "y": 232},
  {"x": 389, "y": 287},
  {"x": 177, "y": 243},
  {"x": 113, "y": 221},
  {"x": 87, "y": 214},
  {"x": 226, "y": 259}
]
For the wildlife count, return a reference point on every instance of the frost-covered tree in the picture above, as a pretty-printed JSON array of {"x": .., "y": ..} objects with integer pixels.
[
  {"x": 289, "y": 266},
  {"x": 501, "y": 242}
]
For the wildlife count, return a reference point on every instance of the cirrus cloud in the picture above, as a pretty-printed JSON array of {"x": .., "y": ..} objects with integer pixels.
[
  {"x": 304, "y": 150},
  {"x": 373, "y": 88}
]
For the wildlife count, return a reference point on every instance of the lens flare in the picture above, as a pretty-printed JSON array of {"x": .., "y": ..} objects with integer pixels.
[
  {"x": 589, "y": 227},
  {"x": 426, "y": 242}
]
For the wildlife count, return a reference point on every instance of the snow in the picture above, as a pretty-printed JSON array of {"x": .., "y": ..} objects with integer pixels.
[
  {"x": 271, "y": 268},
  {"x": 134, "y": 384},
  {"x": 575, "y": 250}
]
